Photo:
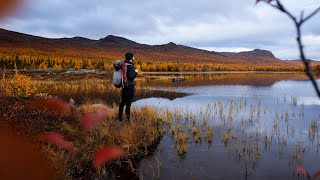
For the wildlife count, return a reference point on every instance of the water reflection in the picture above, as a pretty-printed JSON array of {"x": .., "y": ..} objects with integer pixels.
[
  {"x": 252, "y": 79},
  {"x": 202, "y": 95},
  {"x": 260, "y": 132}
]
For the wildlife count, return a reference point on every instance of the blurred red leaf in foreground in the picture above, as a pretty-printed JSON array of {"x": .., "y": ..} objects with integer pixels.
[
  {"x": 302, "y": 171},
  {"x": 90, "y": 120},
  {"x": 8, "y": 6},
  {"x": 54, "y": 104},
  {"x": 316, "y": 175},
  {"x": 57, "y": 139},
  {"x": 106, "y": 154},
  {"x": 20, "y": 159}
]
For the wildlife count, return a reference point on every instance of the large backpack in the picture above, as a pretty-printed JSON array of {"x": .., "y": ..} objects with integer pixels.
[{"x": 120, "y": 74}]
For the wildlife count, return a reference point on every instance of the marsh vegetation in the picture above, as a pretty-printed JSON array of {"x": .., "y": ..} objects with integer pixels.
[{"x": 211, "y": 125}]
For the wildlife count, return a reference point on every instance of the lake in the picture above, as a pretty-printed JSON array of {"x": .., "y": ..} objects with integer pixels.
[{"x": 287, "y": 101}]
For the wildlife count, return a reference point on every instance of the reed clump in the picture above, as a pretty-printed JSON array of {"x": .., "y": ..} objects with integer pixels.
[
  {"x": 181, "y": 140},
  {"x": 226, "y": 138},
  {"x": 209, "y": 134},
  {"x": 197, "y": 135}
]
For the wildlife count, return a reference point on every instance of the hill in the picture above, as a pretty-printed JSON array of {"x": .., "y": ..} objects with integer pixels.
[
  {"x": 113, "y": 47},
  {"x": 299, "y": 62},
  {"x": 255, "y": 54}
]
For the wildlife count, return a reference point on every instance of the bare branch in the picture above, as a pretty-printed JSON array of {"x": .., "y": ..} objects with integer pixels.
[
  {"x": 305, "y": 61},
  {"x": 283, "y": 9},
  {"x": 311, "y": 15},
  {"x": 301, "y": 16}
]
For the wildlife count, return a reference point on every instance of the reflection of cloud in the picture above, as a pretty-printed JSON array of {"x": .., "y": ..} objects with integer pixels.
[
  {"x": 191, "y": 103},
  {"x": 155, "y": 102},
  {"x": 203, "y": 95},
  {"x": 294, "y": 88},
  {"x": 292, "y": 84},
  {"x": 308, "y": 101}
]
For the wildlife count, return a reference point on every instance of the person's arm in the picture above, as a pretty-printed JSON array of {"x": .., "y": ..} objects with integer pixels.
[{"x": 131, "y": 73}]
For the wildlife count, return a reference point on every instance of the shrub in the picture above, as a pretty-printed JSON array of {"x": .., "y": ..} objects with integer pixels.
[{"x": 18, "y": 85}]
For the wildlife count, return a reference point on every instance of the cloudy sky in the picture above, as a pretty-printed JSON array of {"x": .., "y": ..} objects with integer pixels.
[{"x": 219, "y": 25}]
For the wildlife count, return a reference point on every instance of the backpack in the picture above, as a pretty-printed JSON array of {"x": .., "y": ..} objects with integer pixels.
[{"x": 118, "y": 76}]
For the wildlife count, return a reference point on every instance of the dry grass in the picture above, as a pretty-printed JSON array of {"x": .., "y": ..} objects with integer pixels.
[{"x": 133, "y": 137}]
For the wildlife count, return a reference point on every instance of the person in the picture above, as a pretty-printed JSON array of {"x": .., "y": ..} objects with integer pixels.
[{"x": 127, "y": 91}]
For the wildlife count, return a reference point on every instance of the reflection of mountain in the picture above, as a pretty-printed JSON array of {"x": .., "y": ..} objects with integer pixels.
[{"x": 252, "y": 79}]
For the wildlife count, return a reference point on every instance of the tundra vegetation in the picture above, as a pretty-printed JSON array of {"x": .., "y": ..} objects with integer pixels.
[{"x": 64, "y": 129}]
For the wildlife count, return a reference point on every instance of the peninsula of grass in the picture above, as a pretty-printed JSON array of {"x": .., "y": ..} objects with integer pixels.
[{"x": 134, "y": 138}]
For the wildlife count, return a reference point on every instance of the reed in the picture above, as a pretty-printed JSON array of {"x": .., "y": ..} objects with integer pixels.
[
  {"x": 209, "y": 134},
  {"x": 181, "y": 140}
]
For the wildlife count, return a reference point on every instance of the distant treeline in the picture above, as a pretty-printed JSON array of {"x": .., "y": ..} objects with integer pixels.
[
  {"x": 44, "y": 63},
  {"x": 25, "y": 62}
]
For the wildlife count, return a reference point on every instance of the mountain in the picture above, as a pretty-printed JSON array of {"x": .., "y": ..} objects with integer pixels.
[
  {"x": 116, "y": 40},
  {"x": 114, "y": 47},
  {"x": 255, "y": 54},
  {"x": 299, "y": 62}
]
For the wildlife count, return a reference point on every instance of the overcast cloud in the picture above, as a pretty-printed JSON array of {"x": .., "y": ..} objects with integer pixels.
[{"x": 219, "y": 25}]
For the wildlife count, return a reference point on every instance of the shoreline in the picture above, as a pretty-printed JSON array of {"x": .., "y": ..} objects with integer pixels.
[
  {"x": 225, "y": 72},
  {"x": 99, "y": 72}
]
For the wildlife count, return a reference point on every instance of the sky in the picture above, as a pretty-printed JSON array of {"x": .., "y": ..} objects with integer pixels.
[{"x": 216, "y": 25}]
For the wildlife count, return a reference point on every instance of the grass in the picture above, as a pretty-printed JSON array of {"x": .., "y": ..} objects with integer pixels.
[{"x": 133, "y": 137}]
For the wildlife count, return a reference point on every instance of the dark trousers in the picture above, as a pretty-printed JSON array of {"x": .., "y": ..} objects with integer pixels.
[{"x": 126, "y": 100}]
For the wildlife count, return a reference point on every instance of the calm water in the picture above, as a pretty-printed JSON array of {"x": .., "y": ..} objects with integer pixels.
[{"x": 274, "y": 119}]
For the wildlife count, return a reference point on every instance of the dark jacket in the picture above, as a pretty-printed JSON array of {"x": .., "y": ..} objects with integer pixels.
[{"x": 131, "y": 75}]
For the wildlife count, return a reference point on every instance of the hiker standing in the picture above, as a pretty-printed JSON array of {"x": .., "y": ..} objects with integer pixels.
[{"x": 127, "y": 90}]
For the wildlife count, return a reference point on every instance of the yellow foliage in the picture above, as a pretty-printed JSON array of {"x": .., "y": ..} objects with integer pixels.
[{"x": 18, "y": 85}]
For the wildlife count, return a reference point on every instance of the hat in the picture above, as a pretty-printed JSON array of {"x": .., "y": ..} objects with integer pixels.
[{"x": 129, "y": 55}]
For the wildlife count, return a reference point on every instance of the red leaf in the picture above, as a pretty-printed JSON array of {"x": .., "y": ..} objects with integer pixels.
[
  {"x": 54, "y": 104},
  {"x": 317, "y": 174},
  {"x": 90, "y": 120},
  {"x": 57, "y": 139},
  {"x": 9, "y": 7},
  {"x": 20, "y": 152},
  {"x": 106, "y": 154},
  {"x": 302, "y": 171}
]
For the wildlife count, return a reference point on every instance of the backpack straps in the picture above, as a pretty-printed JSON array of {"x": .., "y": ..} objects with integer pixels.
[{"x": 124, "y": 73}]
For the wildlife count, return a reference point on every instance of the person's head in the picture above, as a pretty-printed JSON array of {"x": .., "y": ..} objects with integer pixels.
[{"x": 129, "y": 56}]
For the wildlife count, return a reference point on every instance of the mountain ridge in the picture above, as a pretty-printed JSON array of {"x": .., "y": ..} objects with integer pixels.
[
  {"x": 114, "y": 47},
  {"x": 112, "y": 39},
  {"x": 256, "y": 53}
]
